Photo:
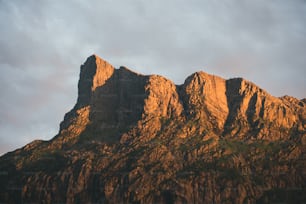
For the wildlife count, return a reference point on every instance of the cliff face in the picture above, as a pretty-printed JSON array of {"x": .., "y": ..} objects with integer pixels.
[
  {"x": 109, "y": 102},
  {"x": 132, "y": 138}
]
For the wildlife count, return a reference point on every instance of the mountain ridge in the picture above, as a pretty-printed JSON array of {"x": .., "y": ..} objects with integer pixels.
[{"x": 141, "y": 138}]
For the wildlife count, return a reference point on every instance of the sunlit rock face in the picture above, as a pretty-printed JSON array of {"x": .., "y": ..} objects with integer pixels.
[{"x": 132, "y": 138}]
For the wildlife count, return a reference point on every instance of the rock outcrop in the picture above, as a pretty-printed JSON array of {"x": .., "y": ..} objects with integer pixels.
[{"x": 132, "y": 138}]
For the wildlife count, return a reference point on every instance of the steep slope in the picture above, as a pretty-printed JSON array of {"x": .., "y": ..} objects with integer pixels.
[
  {"x": 109, "y": 101},
  {"x": 132, "y": 138}
]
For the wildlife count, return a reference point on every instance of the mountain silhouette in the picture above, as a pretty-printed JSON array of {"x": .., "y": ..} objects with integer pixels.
[{"x": 133, "y": 138}]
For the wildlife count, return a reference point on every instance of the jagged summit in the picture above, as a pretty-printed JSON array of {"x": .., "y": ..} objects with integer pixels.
[{"x": 132, "y": 138}]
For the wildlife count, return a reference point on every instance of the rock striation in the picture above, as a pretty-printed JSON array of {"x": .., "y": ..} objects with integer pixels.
[{"x": 132, "y": 138}]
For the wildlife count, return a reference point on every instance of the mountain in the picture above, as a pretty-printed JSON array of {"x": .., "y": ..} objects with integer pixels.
[{"x": 132, "y": 138}]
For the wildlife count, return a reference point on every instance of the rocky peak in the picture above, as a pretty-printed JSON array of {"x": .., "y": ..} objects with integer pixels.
[
  {"x": 163, "y": 99},
  {"x": 94, "y": 73},
  {"x": 204, "y": 97},
  {"x": 109, "y": 100},
  {"x": 255, "y": 113}
]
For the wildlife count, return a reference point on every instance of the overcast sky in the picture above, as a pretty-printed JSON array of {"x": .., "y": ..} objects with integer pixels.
[{"x": 43, "y": 43}]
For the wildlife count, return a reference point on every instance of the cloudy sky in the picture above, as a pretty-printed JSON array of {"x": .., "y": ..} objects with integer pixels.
[{"x": 43, "y": 43}]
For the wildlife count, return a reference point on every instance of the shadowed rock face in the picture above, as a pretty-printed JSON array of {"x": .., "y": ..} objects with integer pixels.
[{"x": 132, "y": 138}]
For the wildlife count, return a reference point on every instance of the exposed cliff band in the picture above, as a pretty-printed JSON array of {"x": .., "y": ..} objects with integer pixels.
[{"x": 112, "y": 99}]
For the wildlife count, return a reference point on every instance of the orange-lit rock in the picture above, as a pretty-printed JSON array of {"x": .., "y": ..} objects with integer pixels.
[{"x": 132, "y": 138}]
